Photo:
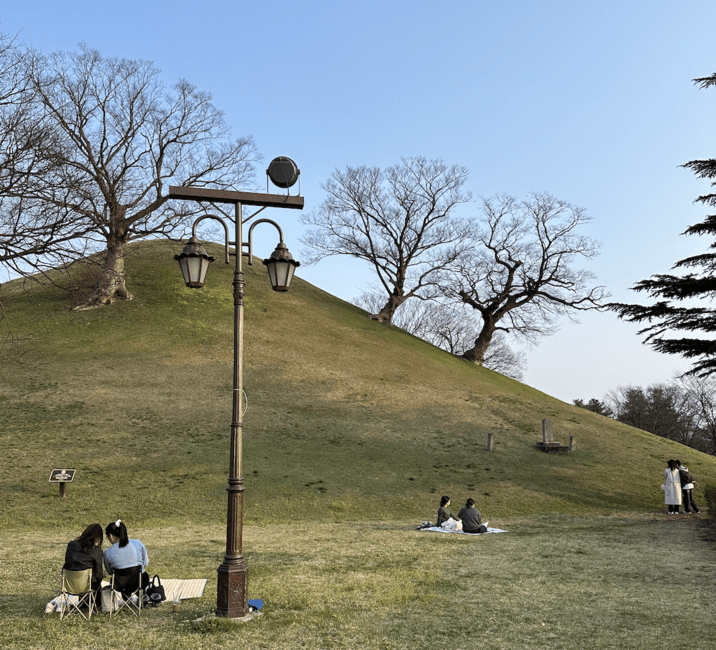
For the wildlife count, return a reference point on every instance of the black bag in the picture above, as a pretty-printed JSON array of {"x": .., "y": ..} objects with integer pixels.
[{"x": 155, "y": 591}]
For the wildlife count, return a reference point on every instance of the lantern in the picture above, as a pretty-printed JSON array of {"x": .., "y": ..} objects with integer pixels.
[
  {"x": 280, "y": 268},
  {"x": 194, "y": 263}
]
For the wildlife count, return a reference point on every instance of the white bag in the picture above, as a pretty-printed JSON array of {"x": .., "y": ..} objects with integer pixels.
[
  {"x": 108, "y": 603},
  {"x": 451, "y": 525}
]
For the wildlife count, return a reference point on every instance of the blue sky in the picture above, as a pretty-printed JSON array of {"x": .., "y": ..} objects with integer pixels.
[{"x": 590, "y": 101}]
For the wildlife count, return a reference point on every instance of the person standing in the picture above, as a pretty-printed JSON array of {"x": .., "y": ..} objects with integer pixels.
[
  {"x": 471, "y": 518},
  {"x": 687, "y": 489},
  {"x": 672, "y": 487}
]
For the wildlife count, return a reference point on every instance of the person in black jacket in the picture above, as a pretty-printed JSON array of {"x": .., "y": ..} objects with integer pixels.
[
  {"x": 687, "y": 489},
  {"x": 85, "y": 552}
]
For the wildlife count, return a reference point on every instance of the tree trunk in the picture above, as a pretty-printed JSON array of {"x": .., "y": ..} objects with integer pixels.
[
  {"x": 110, "y": 286},
  {"x": 385, "y": 315},
  {"x": 482, "y": 343}
]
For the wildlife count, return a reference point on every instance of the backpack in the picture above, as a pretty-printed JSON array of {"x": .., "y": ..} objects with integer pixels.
[{"x": 685, "y": 477}]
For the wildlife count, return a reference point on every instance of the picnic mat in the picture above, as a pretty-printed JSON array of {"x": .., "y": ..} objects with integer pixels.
[
  {"x": 438, "y": 529},
  {"x": 183, "y": 589}
]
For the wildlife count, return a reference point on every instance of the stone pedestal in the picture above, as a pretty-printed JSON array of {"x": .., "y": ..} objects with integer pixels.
[{"x": 548, "y": 443}]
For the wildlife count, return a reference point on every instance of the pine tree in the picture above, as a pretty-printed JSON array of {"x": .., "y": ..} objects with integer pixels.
[{"x": 668, "y": 316}]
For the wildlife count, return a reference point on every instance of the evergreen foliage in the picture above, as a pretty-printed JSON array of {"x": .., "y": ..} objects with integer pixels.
[{"x": 668, "y": 314}]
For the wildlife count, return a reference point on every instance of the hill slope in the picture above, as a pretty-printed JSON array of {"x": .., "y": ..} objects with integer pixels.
[{"x": 347, "y": 419}]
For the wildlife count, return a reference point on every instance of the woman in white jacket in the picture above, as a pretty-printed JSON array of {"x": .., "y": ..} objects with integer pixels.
[{"x": 672, "y": 487}]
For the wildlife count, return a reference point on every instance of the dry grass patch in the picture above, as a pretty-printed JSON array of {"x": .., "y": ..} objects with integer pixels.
[{"x": 550, "y": 582}]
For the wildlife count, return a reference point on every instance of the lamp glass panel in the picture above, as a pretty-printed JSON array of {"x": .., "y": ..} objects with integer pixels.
[
  {"x": 282, "y": 272},
  {"x": 289, "y": 276},
  {"x": 197, "y": 269},
  {"x": 184, "y": 269},
  {"x": 203, "y": 269},
  {"x": 271, "y": 267}
]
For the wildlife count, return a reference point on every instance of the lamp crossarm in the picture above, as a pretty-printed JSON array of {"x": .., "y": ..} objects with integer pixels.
[{"x": 249, "y": 243}]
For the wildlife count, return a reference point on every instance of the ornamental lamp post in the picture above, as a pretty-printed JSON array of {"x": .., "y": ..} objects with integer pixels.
[{"x": 232, "y": 578}]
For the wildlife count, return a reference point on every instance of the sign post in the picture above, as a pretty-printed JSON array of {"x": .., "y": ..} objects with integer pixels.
[{"x": 62, "y": 477}]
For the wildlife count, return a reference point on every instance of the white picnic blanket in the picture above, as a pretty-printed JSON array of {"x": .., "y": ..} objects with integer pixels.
[
  {"x": 182, "y": 589},
  {"x": 438, "y": 529},
  {"x": 452, "y": 526}
]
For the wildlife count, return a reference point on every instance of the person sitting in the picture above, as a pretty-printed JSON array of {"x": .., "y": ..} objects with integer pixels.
[
  {"x": 85, "y": 552},
  {"x": 471, "y": 518},
  {"x": 124, "y": 552},
  {"x": 444, "y": 513}
]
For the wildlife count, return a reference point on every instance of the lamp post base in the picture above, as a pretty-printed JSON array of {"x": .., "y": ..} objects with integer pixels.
[{"x": 232, "y": 600}]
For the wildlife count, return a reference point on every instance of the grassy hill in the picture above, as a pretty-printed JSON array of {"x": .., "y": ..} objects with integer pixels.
[
  {"x": 353, "y": 431},
  {"x": 347, "y": 420}
]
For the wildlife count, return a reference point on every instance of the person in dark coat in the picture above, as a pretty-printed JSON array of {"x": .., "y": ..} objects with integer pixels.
[
  {"x": 471, "y": 518},
  {"x": 687, "y": 489},
  {"x": 85, "y": 552},
  {"x": 444, "y": 513}
]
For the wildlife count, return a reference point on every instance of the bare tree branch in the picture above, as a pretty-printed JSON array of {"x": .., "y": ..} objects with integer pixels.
[
  {"x": 451, "y": 328},
  {"x": 120, "y": 138},
  {"x": 400, "y": 220},
  {"x": 518, "y": 274}
]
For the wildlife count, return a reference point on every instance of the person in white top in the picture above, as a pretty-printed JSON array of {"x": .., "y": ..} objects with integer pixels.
[{"x": 672, "y": 487}]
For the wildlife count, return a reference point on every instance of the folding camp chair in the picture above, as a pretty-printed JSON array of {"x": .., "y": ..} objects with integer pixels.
[
  {"x": 127, "y": 590},
  {"x": 77, "y": 594}
]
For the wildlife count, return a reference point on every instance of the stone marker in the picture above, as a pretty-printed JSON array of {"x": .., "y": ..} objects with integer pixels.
[
  {"x": 548, "y": 443},
  {"x": 489, "y": 442}
]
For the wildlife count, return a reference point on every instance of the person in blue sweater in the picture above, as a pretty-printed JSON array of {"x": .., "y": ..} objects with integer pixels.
[{"x": 124, "y": 552}]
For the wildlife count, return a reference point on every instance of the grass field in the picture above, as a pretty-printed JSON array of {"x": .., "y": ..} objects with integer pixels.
[
  {"x": 549, "y": 582},
  {"x": 353, "y": 431}
]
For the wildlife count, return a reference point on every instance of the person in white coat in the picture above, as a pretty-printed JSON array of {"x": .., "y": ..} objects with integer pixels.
[{"x": 672, "y": 487}]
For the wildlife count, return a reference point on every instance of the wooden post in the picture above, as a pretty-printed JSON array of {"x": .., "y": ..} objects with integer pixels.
[
  {"x": 572, "y": 443},
  {"x": 62, "y": 490},
  {"x": 489, "y": 442}
]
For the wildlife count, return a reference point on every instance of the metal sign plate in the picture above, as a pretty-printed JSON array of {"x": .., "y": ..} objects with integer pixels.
[{"x": 62, "y": 475}]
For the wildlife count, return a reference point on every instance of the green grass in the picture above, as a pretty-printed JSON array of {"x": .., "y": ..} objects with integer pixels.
[
  {"x": 353, "y": 431},
  {"x": 550, "y": 582}
]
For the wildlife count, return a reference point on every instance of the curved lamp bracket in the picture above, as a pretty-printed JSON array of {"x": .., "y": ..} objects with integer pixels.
[
  {"x": 249, "y": 243},
  {"x": 226, "y": 232}
]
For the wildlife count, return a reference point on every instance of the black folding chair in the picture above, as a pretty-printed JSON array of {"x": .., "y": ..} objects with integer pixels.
[{"x": 127, "y": 590}]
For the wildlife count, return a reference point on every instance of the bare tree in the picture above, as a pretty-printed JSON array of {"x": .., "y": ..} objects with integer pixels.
[
  {"x": 451, "y": 328},
  {"x": 662, "y": 409},
  {"x": 701, "y": 394},
  {"x": 122, "y": 137},
  {"x": 518, "y": 274},
  {"x": 400, "y": 220},
  {"x": 28, "y": 150}
]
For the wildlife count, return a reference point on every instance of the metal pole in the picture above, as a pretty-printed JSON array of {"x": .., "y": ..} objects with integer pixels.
[{"x": 232, "y": 595}]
